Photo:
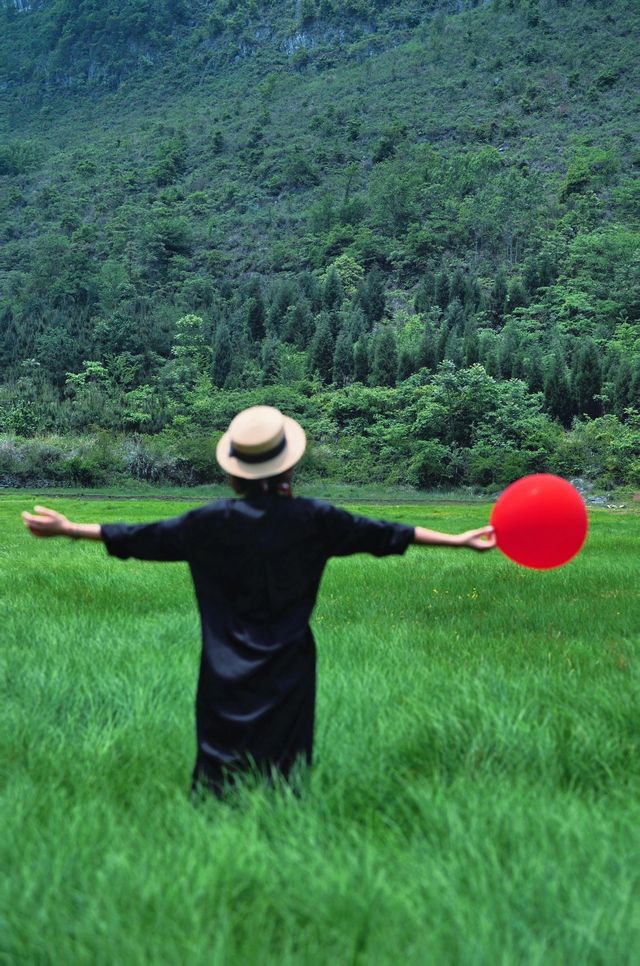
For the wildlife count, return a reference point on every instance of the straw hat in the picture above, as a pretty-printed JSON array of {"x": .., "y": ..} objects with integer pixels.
[{"x": 260, "y": 442}]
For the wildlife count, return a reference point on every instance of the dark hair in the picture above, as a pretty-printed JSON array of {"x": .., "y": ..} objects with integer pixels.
[{"x": 269, "y": 484}]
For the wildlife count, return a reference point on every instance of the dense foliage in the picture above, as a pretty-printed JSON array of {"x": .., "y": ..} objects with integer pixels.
[{"x": 414, "y": 225}]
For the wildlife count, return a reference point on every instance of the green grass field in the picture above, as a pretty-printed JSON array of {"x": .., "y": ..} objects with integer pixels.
[{"x": 475, "y": 794}]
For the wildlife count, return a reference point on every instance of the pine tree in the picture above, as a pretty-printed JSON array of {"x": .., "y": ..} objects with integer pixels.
[
  {"x": 298, "y": 324},
  {"x": 451, "y": 328},
  {"x": 310, "y": 289},
  {"x": 587, "y": 380},
  {"x": 634, "y": 391},
  {"x": 489, "y": 348},
  {"x": 372, "y": 296},
  {"x": 427, "y": 353},
  {"x": 322, "y": 349},
  {"x": 343, "y": 358},
  {"x": 457, "y": 286},
  {"x": 424, "y": 297},
  {"x": 256, "y": 317},
  {"x": 270, "y": 361},
  {"x": 471, "y": 343},
  {"x": 454, "y": 350},
  {"x": 516, "y": 295},
  {"x": 509, "y": 351},
  {"x": 283, "y": 295},
  {"x": 534, "y": 373},
  {"x": 385, "y": 359},
  {"x": 472, "y": 295},
  {"x": 557, "y": 392},
  {"x": 361, "y": 360},
  {"x": 441, "y": 294},
  {"x": 221, "y": 364},
  {"x": 332, "y": 292},
  {"x": 455, "y": 317},
  {"x": 498, "y": 298},
  {"x": 308, "y": 12},
  {"x": 406, "y": 365},
  {"x": 622, "y": 387},
  {"x": 530, "y": 276},
  {"x": 354, "y": 320},
  {"x": 441, "y": 341}
]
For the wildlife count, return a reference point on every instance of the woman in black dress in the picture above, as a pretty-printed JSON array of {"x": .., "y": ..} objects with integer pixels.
[{"x": 256, "y": 563}]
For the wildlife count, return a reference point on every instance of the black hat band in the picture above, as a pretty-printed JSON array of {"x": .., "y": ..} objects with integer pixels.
[{"x": 258, "y": 457}]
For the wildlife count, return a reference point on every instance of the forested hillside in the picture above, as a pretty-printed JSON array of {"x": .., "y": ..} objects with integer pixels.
[{"x": 415, "y": 226}]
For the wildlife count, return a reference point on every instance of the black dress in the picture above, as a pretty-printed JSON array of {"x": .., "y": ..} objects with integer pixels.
[{"x": 256, "y": 566}]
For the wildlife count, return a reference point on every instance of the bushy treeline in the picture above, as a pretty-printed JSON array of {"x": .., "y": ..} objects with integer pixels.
[{"x": 453, "y": 427}]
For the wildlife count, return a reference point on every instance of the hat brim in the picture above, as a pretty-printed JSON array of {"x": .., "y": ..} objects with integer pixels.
[{"x": 290, "y": 455}]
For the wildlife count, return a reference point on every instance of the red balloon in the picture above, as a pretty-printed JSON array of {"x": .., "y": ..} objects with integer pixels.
[{"x": 540, "y": 521}]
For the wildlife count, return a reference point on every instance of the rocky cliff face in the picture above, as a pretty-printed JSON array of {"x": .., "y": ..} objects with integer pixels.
[{"x": 102, "y": 43}]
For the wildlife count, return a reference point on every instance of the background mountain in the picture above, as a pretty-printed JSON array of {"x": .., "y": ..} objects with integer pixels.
[{"x": 414, "y": 225}]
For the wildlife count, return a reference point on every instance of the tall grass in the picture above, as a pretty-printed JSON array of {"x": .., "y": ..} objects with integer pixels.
[{"x": 475, "y": 792}]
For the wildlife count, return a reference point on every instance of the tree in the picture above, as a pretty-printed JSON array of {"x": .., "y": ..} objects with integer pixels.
[
  {"x": 256, "y": 317},
  {"x": 516, "y": 295},
  {"x": 451, "y": 330},
  {"x": 350, "y": 273},
  {"x": 298, "y": 324},
  {"x": 283, "y": 295},
  {"x": 190, "y": 350},
  {"x": 361, "y": 360},
  {"x": 557, "y": 391},
  {"x": 385, "y": 359},
  {"x": 471, "y": 343},
  {"x": 454, "y": 348},
  {"x": 622, "y": 387},
  {"x": 332, "y": 292},
  {"x": 270, "y": 360},
  {"x": 424, "y": 297},
  {"x": 171, "y": 160},
  {"x": 534, "y": 373},
  {"x": 457, "y": 286},
  {"x": 372, "y": 296},
  {"x": 498, "y": 297},
  {"x": 509, "y": 351},
  {"x": 587, "y": 380},
  {"x": 308, "y": 12},
  {"x": 634, "y": 391},
  {"x": 343, "y": 362},
  {"x": 406, "y": 365},
  {"x": 489, "y": 350},
  {"x": 472, "y": 295},
  {"x": 322, "y": 349},
  {"x": 441, "y": 293},
  {"x": 427, "y": 352},
  {"x": 310, "y": 289},
  {"x": 222, "y": 355}
]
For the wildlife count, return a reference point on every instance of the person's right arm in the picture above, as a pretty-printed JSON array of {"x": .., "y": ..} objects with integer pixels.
[
  {"x": 169, "y": 540},
  {"x": 50, "y": 523}
]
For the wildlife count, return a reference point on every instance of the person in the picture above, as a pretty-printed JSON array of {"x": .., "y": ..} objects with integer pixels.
[{"x": 256, "y": 561}]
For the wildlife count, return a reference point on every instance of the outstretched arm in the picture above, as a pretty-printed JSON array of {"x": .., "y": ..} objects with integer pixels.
[
  {"x": 482, "y": 539},
  {"x": 49, "y": 523}
]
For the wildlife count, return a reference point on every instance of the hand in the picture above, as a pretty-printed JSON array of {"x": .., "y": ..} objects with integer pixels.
[
  {"x": 482, "y": 539},
  {"x": 47, "y": 523}
]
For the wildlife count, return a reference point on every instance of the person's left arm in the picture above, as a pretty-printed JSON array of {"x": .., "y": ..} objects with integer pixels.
[
  {"x": 481, "y": 539},
  {"x": 345, "y": 534}
]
